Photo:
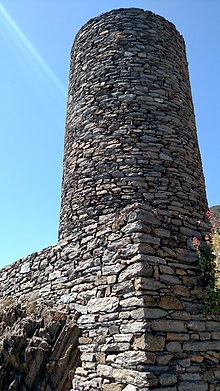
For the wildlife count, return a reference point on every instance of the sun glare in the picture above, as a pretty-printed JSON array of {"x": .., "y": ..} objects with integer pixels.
[{"x": 20, "y": 37}]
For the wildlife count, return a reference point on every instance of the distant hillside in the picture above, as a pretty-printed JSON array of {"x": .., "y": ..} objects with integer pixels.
[{"x": 216, "y": 210}]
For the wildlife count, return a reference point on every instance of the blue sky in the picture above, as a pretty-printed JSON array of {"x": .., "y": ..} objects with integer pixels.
[{"x": 35, "y": 39}]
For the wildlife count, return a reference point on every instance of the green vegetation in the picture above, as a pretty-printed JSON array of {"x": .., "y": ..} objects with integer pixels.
[{"x": 209, "y": 263}]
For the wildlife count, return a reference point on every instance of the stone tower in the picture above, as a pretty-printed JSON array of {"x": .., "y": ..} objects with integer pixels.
[
  {"x": 132, "y": 195},
  {"x": 130, "y": 128}
]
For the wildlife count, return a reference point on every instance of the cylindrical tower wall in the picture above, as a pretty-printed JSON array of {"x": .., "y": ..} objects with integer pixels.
[
  {"x": 130, "y": 129},
  {"x": 133, "y": 194}
]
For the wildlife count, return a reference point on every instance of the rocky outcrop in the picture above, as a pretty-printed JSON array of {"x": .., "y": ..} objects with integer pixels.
[{"x": 38, "y": 348}]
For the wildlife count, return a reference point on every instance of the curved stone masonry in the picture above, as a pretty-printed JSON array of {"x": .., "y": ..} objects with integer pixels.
[
  {"x": 133, "y": 197},
  {"x": 130, "y": 129}
]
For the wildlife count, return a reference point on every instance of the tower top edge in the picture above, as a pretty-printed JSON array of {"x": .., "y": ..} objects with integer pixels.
[{"x": 122, "y": 12}]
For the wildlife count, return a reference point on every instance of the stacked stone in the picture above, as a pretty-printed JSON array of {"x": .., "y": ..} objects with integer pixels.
[
  {"x": 130, "y": 129},
  {"x": 133, "y": 197},
  {"x": 134, "y": 330}
]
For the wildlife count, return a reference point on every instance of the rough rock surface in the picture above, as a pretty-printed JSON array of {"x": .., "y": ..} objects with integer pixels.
[{"x": 38, "y": 348}]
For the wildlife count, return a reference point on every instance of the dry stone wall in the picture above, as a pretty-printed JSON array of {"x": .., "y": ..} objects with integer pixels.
[
  {"x": 130, "y": 129},
  {"x": 133, "y": 197}
]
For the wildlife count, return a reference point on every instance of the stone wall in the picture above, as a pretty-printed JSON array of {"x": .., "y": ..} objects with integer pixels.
[
  {"x": 133, "y": 197},
  {"x": 130, "y": 129}
]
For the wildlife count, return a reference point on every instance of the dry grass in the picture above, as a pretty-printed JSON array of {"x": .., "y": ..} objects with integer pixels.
[
  {"x": 215, "y": 240},
  {"x": 214, "y": 216},
  {"x": 6, "y": 302}
]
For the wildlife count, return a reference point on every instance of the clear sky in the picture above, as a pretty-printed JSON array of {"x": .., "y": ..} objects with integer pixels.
[{"x": 35, "y": 41}]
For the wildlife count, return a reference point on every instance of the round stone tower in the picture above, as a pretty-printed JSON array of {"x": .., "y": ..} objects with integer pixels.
[
  {"x": 133, "y": 194},
  {"x": 130, "y": 129},
  {"x": 133, "y": 197}
]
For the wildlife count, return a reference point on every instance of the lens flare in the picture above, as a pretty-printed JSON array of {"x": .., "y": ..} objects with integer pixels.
[{"x": 20, "y": 37}]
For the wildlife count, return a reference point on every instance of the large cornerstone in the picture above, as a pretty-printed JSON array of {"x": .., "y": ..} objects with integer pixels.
[{"x": 124, "y": 271}]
